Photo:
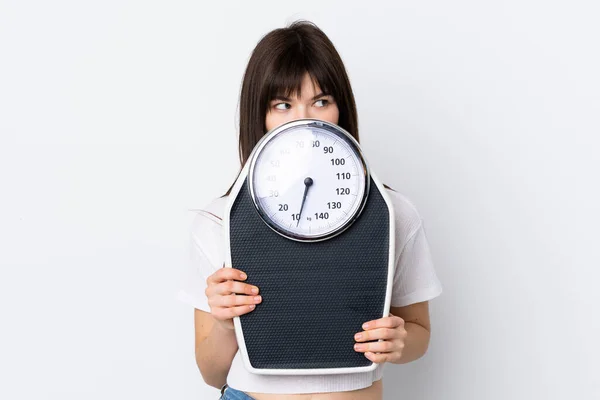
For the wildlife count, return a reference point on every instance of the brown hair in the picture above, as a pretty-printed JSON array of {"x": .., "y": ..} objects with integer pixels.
[{"x": 277, "y": 66}]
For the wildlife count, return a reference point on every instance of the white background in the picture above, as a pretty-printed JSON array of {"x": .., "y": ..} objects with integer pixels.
[{"x": 116, "y": 117}]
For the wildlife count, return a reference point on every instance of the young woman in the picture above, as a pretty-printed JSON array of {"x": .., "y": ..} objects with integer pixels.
[{"x": 293, "y": 73}]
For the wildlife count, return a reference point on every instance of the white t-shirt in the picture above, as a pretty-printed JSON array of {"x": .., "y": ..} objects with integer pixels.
[{"x": 415, "y": 281}]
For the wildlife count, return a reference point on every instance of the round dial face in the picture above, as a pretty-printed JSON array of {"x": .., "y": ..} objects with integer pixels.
[{"x": 308, "y": 179}]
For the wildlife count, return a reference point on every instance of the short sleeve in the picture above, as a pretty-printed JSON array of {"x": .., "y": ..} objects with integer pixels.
[
  {"x": 202, "y": 261},
  {"x": 415, "y": 279}
]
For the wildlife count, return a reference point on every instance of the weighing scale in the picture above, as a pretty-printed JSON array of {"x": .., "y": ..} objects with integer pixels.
[{"x": 313, "y": 228}]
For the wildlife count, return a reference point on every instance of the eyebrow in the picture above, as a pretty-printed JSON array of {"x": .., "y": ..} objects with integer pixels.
[{"x": 283, "y": 98}]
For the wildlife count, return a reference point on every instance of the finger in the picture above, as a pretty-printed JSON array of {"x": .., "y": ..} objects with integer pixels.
[
  {"x": 229, "y": 287},
  {"x": 382, "y": 357},
  {"x": 231, "y": 312},
  {"x": 383, "y": 346},
  {"x": 374, "y": 334},
  {"x": 385, "y": 322},
  {"x": 224, "y": 274},
  {"x": 233, "y": 300}
]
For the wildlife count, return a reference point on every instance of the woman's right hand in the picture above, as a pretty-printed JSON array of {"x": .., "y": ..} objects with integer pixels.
[{"x": 228, "y": 297}]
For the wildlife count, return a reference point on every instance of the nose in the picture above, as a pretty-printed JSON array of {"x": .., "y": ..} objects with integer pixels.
[{"x": 301, "y": 112}]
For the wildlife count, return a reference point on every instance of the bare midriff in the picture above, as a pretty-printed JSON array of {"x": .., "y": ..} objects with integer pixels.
[{"x": 373, "y": 392}]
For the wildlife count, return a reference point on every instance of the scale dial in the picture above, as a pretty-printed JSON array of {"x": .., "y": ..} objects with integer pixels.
[{"x": 308, "y": 179}]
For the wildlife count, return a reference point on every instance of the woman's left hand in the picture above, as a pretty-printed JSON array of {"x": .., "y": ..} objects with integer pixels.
[{"x": 391, "y": 330}]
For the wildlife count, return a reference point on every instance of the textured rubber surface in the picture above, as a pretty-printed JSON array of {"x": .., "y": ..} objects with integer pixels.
[{"x": 315, "y": 295}]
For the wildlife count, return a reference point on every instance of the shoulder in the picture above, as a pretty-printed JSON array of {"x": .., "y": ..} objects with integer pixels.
[
  {"x": 206, "y": 229},
  {"x": 211, "y": 211},
  {"x": 406, "y": 216}
]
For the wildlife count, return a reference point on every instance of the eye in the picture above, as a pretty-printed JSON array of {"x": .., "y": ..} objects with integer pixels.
[
  {"x": 281, "y": 104},
  {"x": 325, "y": 102}
]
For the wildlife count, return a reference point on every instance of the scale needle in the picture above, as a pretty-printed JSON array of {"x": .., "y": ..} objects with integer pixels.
[{"x": 307, "y": 183}]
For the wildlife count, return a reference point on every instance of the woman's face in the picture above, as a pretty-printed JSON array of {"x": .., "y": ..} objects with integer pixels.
[{"x": 312, "y": 104}]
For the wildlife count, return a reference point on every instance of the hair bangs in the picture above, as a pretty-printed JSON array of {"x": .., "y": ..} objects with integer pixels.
[{"x": 288, "y": 80}]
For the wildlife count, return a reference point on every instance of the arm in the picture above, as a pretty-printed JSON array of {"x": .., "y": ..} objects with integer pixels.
[
  {"x": 418, "y": 327},
  {"x": 215, "y": 348}
]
